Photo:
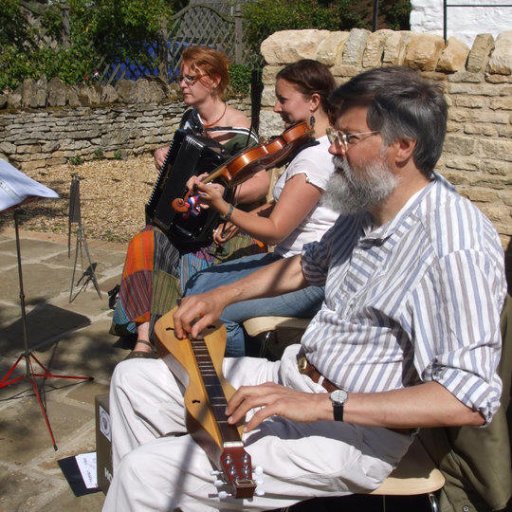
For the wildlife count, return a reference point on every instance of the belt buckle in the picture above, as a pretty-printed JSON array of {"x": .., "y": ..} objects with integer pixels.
[{"x": 302, "y": 364}]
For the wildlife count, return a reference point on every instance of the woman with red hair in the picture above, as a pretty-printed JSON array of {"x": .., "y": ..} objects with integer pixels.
[{"x": 155, "y": 270}]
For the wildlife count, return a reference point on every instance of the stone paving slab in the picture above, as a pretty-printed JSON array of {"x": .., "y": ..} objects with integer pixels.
[
  {"x": 44, "y": 322},
  {"x": 70, "y": 338},
  {"x": 32, "y": 250},
  {"x": 9, "y": 313},
  {"x": 40, "y": 282},
  {"x": 23, "y": 424},
  {"x": 8, "y": 261}
]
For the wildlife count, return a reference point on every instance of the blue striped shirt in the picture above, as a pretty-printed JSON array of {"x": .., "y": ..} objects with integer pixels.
[{"x": 415, "y": 300}]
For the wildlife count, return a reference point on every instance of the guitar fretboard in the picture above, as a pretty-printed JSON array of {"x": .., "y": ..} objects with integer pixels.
[{"x": 216, "y": 397}]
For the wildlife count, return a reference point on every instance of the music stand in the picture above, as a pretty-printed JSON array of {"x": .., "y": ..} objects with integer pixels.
[{"x": 27, "y": 356}]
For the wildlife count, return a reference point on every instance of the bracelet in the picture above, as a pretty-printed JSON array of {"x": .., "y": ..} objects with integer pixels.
[{"x": 228, "y": 214}]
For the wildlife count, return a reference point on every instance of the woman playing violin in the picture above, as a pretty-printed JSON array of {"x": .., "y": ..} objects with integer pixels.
[
  {"x": 154, "y": 269},
  {"x": 293, "y": 218}
]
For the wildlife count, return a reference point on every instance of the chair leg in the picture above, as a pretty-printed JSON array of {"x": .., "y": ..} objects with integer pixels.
[
  {"x": 434, "y": 504},
  {"x": 261, "y": 345}
]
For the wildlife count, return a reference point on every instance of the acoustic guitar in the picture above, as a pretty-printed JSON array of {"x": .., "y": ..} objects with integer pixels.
[{"x": 197, "y": 364}]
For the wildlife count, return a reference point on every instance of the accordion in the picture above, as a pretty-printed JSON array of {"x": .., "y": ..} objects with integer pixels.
[{"x": 189, "y": 155}]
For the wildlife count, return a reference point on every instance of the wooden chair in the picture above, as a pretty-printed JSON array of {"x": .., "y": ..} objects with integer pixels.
[{"x": 415, "y": 475}]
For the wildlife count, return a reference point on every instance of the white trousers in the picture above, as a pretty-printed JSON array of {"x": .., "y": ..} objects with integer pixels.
[{"x": 158, "y": 467}]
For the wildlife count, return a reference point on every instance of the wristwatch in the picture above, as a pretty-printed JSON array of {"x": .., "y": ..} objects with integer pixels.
[{"x": 338, "y": 399}]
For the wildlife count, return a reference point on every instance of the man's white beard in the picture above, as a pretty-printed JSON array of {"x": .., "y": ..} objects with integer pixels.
[{"x": 348, "y": 193}]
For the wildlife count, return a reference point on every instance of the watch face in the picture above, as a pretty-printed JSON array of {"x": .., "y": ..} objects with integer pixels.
[{"x": 338, "y": 396}]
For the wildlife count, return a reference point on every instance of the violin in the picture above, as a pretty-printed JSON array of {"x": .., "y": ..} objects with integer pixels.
[
  {"x": 263, "y": 156},
  {"x": 197, "y": 364}
]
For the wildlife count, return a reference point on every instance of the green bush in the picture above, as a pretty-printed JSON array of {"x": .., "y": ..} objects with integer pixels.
[
  {"x": 99, "y": 31},
  {"x": 98, "y": 154},
  {"x": 240, "y": 78},
  {"x": 264, "y": 17},
  {"x": 76, "y": 160}
]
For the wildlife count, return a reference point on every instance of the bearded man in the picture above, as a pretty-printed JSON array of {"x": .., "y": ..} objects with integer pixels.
[{"x": 407, "y": 336}]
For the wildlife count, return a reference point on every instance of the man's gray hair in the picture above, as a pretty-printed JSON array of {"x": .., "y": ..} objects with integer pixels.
[{"x": 401, "y": 105}]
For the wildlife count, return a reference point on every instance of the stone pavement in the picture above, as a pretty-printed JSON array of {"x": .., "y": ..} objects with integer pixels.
[{"x": 71, "y": 338}]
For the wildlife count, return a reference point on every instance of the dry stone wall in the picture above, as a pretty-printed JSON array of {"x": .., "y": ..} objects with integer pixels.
[
  {"x": 48, "y": 123},
  {"x": 477, "y": 154}
]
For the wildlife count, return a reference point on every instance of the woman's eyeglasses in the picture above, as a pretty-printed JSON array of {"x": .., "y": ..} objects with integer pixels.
[
  {"x": 345, "y": 140},
  {"x": 189, "y": 79}
]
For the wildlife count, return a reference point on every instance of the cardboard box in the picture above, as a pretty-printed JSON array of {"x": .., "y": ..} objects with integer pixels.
[{"x": 103, "y": 442}]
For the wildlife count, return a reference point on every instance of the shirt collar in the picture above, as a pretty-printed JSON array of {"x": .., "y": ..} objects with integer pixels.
[{"x": 381, "y": 233}]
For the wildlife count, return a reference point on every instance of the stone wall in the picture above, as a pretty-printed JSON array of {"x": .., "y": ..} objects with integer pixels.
[
  {"x": 477, "y": 155},
  {"x": 48, "y": 123}
]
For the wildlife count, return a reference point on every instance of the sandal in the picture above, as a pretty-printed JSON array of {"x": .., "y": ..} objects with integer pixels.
[{"x": 140, "y": 354}]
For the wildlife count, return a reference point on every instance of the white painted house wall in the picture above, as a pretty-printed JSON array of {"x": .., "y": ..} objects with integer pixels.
[{"x": 463, "y": 23}]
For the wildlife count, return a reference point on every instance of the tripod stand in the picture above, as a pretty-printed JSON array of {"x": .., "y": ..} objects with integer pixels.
[
  {"x": 31, "y": 373},
  {"x": 81, "y": 242}
]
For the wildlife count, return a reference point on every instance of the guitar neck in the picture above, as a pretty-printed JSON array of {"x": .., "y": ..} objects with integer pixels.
[
  {"x": 198, "y": 364},
  {"x": 216, "y": 397}
]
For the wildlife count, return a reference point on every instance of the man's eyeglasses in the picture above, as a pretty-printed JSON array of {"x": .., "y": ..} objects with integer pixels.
[
  {"x": 346, "y": 140},
  {"x": 190, "y": 79}
]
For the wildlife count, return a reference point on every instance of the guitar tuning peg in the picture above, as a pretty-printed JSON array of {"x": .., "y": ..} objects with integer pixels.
[
  {"x": 259, "y": 491},
  {"x": 218, "y": 483},
  {"x": 223, "y": 495},
  {"x": 258, "y": 470},
  {"x": 214, "y": 472},
  {"x": 258, "y": 480}
]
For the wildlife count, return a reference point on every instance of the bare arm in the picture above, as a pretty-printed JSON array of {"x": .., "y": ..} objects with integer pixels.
[
  {"x": 198, "y": 311},
  {"x": 228, "y": 230},
  {"x": 254, "y": 189},
  {"x": 424, "y": 405},
  {"x": 297, "y": 201}
]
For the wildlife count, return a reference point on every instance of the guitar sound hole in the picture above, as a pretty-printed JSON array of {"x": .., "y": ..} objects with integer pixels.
[
  {"x": 169, "y": 328},
  {"x": 196, "y": 401}
]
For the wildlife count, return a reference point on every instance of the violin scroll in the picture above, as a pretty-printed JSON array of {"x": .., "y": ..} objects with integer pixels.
[{"x": 180, "y": 205}]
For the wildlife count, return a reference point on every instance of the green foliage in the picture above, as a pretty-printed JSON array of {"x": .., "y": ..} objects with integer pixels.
[
  {"x": 76, "y": 160},
  {"x": 74, "y": 41},
  {"x": 264, "y": 17},
  {"x": 396, "y": 13},
  {"x": 52, "y": 22},
  {"x": 99, "y": 31},
  {"x": 14, "y": 30},
  {"x": 98, "y": 154},
  {"x": 118, "y": 154},
  {"x": 240, "y": 78}
]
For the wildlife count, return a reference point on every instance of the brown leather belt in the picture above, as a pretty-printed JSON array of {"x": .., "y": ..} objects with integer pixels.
[{"x": 306, "y": 368}]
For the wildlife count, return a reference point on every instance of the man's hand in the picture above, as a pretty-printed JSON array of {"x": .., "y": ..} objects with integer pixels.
[
  {"x": 276, "y": 400},
  {"x": 197, "y": 312}
]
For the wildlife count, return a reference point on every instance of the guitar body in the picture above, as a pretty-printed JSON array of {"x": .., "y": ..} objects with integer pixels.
[{"x": 197, "y": 364}]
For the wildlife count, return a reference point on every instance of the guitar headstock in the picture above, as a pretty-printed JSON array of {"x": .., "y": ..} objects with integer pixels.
[{"x": 236, "y": 472}]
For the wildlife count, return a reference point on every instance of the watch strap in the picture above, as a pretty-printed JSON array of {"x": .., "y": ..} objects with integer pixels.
[{"x": 337, "y": 410}]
